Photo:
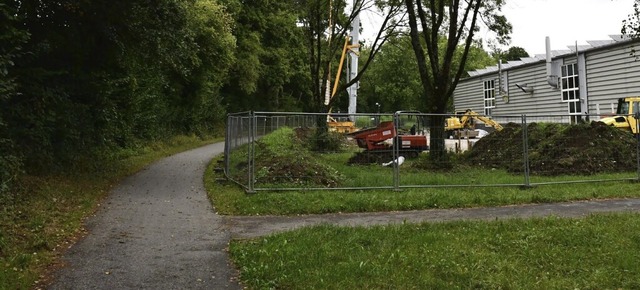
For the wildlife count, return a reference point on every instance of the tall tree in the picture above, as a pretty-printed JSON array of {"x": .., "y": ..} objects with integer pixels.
[
  {"x": 457, "y": 22},
  {"x": 270, "y": 66},
  {"x": 394, "y": 82},
  {"x": 129, "y": 71},
  {"x": 12, "y": 38},
  {"x": 326, "y": 25}
]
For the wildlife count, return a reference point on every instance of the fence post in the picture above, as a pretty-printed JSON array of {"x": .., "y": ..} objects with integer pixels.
[
  {"x": 396, "y": 152},
  {"x": 525, "y": 151},
  {"x": 638, "y": 145},
  {"x": 251, "y": 153},
  {"x": 227, "y": 145}
]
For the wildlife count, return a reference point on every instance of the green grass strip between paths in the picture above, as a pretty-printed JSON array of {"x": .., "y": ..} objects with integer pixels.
[{"x": 597, "y": 252}]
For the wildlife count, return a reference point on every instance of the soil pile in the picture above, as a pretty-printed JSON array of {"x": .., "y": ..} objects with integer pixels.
[
  {"x": 368, "y": 157},
  {"x": 283, "y": 157},
  {"x": 558, "y": 149}
]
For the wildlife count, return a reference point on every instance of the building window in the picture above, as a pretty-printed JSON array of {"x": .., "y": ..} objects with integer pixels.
[
  {"x": 489, "y": 96},
  {"x": 571, "y": 90}
]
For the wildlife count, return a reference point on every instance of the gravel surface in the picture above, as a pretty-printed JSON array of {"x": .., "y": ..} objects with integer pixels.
[
  {"x": 241, "y": 227},
  {"x": 157, "y": 229}
]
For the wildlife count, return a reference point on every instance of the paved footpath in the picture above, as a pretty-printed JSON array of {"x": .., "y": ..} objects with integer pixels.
[{"x": 157, "y": 229}]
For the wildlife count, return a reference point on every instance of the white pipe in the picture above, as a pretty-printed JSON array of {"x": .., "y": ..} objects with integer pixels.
[
  {"x": 552, "y": 79},
  {"x": 548, "y": 54}
]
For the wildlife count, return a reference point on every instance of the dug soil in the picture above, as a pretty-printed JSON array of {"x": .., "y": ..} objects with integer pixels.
[{"x": 558, "y": 149}]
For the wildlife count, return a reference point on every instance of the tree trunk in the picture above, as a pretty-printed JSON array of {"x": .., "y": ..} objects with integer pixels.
[{"x": 437, "y": 135}]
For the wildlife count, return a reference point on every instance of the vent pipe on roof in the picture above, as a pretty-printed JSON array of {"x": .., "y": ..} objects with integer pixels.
[{"x": 552, "y": 79}]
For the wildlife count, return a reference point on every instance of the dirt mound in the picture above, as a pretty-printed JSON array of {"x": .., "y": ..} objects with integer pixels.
[
  {"x": 296, "y": 172},
  {"x": 369, "y": 157},
  {"x": 284, "y": 158},
  {"x": 558, "y": 149}
]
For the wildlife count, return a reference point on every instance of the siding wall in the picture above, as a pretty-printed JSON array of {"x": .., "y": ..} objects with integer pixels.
[{"x": 611, "y": 74}]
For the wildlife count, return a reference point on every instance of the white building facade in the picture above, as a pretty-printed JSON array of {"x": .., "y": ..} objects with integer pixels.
[{"x": 582, "y": 81}]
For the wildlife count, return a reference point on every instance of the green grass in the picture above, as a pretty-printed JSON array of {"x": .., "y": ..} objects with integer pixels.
[
  {"x": 597, "y": 252},
  {"x": 44, "y": 215},
  {"x": 230, "y": 199}
]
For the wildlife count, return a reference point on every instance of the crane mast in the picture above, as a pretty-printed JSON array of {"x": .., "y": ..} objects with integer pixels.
[{"x": 353, "y": 69}]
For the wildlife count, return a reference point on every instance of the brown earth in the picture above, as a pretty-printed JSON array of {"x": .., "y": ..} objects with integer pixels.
[{"x": 558, "y": 149}]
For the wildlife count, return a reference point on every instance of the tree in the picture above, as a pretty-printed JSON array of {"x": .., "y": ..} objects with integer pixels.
[
  {"x": 393, "y": 81},
  {"x": 129, "y": 71},
  {"x": 631, "y": 25},
  {"x": 12, "y": 38},
  {"x": 270, "y": 66},
  {"x": 326, "y": 26},
  {"x": 513, "y": 53},
  {"x": 438, "y": 29}
]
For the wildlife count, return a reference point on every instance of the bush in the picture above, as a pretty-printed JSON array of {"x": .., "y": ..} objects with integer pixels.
[{"x": 10, "y": 165}]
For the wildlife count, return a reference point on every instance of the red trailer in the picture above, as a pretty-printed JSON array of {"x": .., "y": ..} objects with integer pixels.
[{"x": 382, "y": 138}]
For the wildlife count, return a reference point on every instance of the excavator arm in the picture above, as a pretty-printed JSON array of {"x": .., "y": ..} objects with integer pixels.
[{"x": 464, "y": 122}]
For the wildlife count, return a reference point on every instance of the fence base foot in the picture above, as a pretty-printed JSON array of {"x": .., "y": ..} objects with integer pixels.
[{"x": 525, "y": 187}]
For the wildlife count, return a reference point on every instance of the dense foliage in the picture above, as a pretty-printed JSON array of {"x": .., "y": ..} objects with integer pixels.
[
  {"x": 83, "y": 77},
  {"x": 270, "y": 73},
  {"x": 393, "y": 82}
]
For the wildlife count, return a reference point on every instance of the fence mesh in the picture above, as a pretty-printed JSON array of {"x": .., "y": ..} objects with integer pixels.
[{"x": 293, "y": 151}]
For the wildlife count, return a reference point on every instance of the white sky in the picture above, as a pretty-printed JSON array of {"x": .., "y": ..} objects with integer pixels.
[{"x": 564, "y": 21}]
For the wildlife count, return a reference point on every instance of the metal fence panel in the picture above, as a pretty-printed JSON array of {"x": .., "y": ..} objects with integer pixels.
[{"x": 525, "y": 150}]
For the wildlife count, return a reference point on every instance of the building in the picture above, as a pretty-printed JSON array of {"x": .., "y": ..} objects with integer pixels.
[{"x": 581, "y": 82}]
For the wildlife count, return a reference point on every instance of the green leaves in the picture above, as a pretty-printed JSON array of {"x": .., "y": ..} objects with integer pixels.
[{"x": 103, "y": 74}]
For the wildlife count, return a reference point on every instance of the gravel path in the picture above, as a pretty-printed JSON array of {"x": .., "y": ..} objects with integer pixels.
[
  {"x": 157, "y": 229},
  {"x": 250, "y": 227}
]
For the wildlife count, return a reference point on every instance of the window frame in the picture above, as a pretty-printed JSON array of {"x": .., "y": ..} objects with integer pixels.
[{"x": 489, "y": 96}]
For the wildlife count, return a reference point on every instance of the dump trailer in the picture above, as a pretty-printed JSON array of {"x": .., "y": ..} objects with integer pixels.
[
  {"x": 382, "y": 138},
  {"x": 627, "y": 115}
]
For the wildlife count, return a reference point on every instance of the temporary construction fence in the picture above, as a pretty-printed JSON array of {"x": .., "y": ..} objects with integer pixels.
[{"x": 268, "y": 151}]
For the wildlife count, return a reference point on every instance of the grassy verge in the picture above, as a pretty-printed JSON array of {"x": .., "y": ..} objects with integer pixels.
[
  {"x": 229, "y": 199},
  {"x": 283, "y": 159},
  {"x": 597, "y": 252},
  {"x": 44, "y": 215}
]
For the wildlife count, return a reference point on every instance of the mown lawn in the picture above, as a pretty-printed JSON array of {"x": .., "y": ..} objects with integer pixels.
[{"x": 597, "y": 252}]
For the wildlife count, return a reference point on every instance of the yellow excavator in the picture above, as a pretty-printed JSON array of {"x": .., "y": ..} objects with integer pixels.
[
  {"x": 460, "y": 126},
  {"x": 627, "y": 115}
]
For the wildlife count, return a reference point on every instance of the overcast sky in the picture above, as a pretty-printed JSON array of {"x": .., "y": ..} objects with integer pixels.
[{"x": 564, "y": 21}]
